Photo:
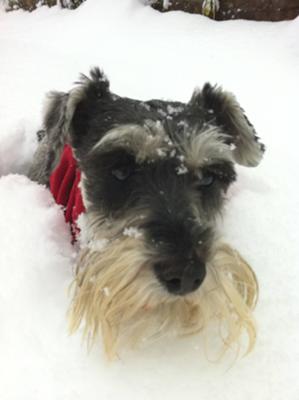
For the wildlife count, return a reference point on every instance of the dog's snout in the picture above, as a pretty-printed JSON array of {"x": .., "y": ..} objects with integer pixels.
[{"x": 183, "y": 278}]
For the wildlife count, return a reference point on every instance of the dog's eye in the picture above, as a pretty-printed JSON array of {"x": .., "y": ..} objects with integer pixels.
[
  {"x": 122, "y": 173},
  {"x": 206, "y": 180}
]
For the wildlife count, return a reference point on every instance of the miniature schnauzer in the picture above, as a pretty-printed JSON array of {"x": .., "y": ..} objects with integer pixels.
[{"x": 153, "y": 178}]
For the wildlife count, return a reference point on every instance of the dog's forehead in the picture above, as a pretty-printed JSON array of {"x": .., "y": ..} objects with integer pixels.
[{"x": 158, "y": 129}]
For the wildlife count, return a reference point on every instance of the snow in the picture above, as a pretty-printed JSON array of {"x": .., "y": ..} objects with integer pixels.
[
  {"x": 161, "y": 153},
  {"x": 174, "y": 110},
  {"x": 106, "y": 291},
  {"x": 132, "y": 232},
  {"x": 98, "y": 245},
  {"x": 146, "y": 54},
  {"x": 181, "y": 170}
]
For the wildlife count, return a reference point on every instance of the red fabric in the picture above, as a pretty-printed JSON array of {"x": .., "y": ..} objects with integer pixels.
[{"x": 64, "y": 185}]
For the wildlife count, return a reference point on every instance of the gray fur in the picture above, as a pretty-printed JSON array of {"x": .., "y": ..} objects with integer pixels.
[
  {"x": 56, "y": 127},
  {"x": 229, "y": 115}
]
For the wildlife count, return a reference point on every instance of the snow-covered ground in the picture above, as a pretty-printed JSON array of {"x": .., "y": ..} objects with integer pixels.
[{"x": 146, "y": 54}]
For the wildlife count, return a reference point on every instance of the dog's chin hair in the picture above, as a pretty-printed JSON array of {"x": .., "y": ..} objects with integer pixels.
[{"x": 115, "y": 293}]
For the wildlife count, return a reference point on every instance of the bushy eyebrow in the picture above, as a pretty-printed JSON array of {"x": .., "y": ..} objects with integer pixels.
[
  {"x": 144, "y": 141},
  {"x": 195, "y": 149},
  {"x": 208, "y": 146}
]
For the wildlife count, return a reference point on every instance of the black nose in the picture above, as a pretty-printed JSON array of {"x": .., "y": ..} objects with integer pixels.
[{"x": 181, "y": 279}]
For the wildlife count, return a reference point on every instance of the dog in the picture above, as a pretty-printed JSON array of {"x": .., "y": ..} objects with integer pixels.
[{"x": 152, "y": 178}]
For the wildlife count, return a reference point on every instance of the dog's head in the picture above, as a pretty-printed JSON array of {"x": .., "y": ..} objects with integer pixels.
[{"x": 154, "y": 178}]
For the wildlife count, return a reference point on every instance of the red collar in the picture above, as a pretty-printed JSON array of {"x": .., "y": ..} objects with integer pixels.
[{"x": 64, "y": 185}]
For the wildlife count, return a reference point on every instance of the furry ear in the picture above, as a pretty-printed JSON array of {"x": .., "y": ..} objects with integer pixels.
[
  {"x": 66, "y": 120},
  {"x": 223, "y": 109},
  {"x": 84, "y": 100},
  {"x": 68, "y": 114}
]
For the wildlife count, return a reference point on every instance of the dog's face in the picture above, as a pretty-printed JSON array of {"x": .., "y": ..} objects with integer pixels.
[
  {"x": 164, "y": 174},
  {"x": 154, "y": 176}
]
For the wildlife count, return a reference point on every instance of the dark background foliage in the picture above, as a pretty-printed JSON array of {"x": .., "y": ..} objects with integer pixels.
[
  {"x": 259, "y": 10},
  {"x": 30, "y": 5}
]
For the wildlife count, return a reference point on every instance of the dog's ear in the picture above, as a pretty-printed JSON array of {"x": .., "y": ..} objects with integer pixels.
[
  {"x": 223, "y": 109},
  {"x": 68, "y": 114},
  {"x": 84, "y": 101}
]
